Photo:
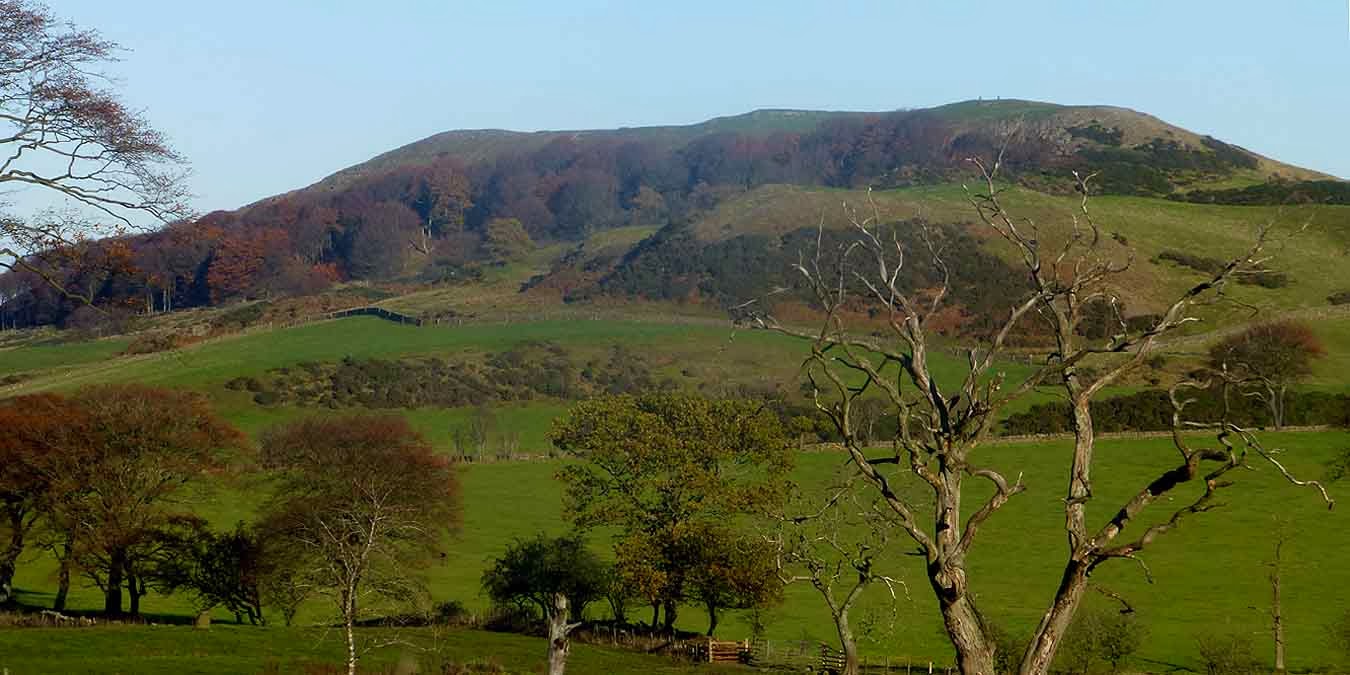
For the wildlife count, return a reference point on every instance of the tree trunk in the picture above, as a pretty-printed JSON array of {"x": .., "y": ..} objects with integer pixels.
[
  {"x": 112, "y": 591},
  {"x": 974, "y": 654},
  {"x": 1277, "y": 613},
  {"x": 656, "y": 615},
  {"x": 9, "y": 559},
  {"x": 712, "y": 619},
  {"x": 348, "y": 619},
  {"x": 671, "y": 614},
  {"x": 558, "y": 629},
  {"x": 846, "y": 641},
  {"x": 63, "y": 577},
  {"x": 1040, "y": 653}
]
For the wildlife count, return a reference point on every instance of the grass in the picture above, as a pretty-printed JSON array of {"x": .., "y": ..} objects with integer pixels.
[
  {"x": 179, "y": 650},
  {"x": 44, "y": 356},
  {"x": 1209, "y": 575}
]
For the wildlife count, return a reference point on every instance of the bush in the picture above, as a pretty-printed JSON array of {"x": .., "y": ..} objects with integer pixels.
[
  {"x": 240, "y": 318},
  {"x": 1008, "y": 650},
  {"x": 1229, "y": 654},
  {"x": 1339, "y": 298},
  {"x": 152, "y": 343},
  {"x": 450, "y": 613},
  {"x": 267, "y": 398},
  {"x": 511, "y": 619},
  {"x": 1099, "y": 637}
]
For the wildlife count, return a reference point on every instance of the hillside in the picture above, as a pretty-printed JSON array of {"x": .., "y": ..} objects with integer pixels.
[{"x": 471, "y": 213}]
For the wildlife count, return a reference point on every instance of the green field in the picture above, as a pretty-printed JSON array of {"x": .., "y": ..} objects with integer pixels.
[{"x": 1210, "y": 575}]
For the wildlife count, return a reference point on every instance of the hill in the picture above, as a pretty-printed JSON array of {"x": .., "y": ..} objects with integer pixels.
[{"x": 592, "y": 214}]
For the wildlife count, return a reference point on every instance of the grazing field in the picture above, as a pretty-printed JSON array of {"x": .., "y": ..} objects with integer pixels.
[{"x": 1209, "y": 576}]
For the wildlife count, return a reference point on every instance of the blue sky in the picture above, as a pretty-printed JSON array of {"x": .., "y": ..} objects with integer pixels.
[{"x": 264, "y": 97}]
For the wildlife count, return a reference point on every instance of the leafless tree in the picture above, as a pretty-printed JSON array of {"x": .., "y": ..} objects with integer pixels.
[
  {"x": 559, "y": 628},
  {"x": 64, "y": 131},
  {"x": 941, "y": 424},
  {"x": 837, "y": 549}
]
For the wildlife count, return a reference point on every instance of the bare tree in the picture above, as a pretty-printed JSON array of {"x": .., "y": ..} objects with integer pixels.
[
  {"x": 63, "y": 131},
  {"x": 559, "y": 628},
  {"x": 836, "y": 550},
  {"x": 941, "y": 424}
]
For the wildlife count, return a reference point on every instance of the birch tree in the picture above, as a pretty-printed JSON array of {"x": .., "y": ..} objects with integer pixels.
[{"x": 364, "y": 504}]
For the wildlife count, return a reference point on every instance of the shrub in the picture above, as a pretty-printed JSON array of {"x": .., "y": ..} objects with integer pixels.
[
  {"x": 450, "y": 612},
  {"x": 267, "y": 398},
  {"x": 244, "y": 384},
  {"x": 1339, "y": 298},
  {"x": 511, "y": 619},
  {"x": 151, "y": 343},
  {"x": 1099, "y": 637},
  {"x": 1229, "y": 654},
  {"x": 1008, "y": 649},
  {"x": 240, "y": 317}
]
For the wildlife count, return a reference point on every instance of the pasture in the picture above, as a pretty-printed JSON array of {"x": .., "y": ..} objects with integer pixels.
[{"x": 1209, "y": 576}]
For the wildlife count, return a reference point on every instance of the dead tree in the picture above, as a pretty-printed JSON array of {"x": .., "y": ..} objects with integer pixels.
[
  {"x": 941, "y": 424},
  {"x": 1276, "y": 599},
  {"x": 558, "y": 631},
  {"x": 835, "y": 549},
  {"x": 65, "y": 134}
]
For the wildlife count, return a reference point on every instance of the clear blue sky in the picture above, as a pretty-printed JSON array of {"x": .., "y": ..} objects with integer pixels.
[{"x": 263, "y": 97}]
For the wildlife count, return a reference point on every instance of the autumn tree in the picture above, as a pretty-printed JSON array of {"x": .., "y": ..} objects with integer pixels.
[
  {"x": 1271, "y": 356},
  {"x": 65, "y": 133},
  {"x": 139, "y": 447},
  {"x": 661, "y": 468},
  {"x": 943, "y": 422},
  {"x": 506, "y": 240},
  {"x": 364, "y": 503},
  {"x": 40, "y": 433}
]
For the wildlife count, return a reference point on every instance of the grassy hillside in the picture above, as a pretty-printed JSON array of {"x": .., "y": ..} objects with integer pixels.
[{"x": 1136, "y": 229}]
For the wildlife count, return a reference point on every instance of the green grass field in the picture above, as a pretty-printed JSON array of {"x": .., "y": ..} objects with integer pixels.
[{"x": 1210, "y": 575}]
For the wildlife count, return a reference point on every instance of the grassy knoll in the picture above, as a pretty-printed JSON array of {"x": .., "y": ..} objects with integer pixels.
[
  {"x": 1209, "y": 575},
  {"x": 179, "y": 650}
]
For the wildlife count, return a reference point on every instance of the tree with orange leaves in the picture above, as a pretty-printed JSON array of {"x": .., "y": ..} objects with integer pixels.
[{"x": 364, "y": 503}]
